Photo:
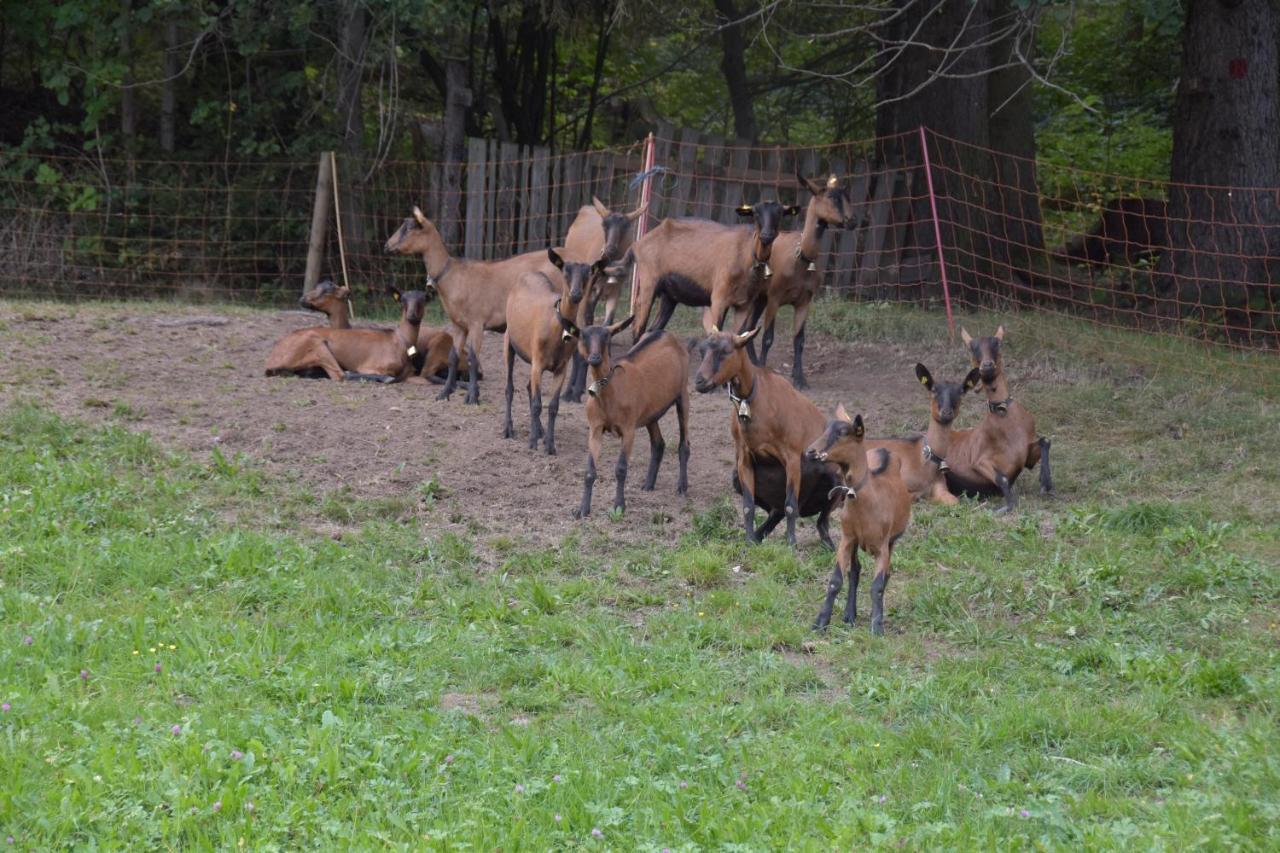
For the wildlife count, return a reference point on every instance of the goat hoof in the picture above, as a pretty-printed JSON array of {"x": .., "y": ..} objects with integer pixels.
[
  {"x": 798, "y": 383},
  {"x": 444, "y": 395},
  {"x": 509, "y": 432},
  {"x": 551, "y": 450},
  {"x": 1049, "y": 492},
  {"x": 578, "y": 513},
  {"x": 820, "y": 627},
  {"x": 849, "y": 620},
  {"x": 647, "y": 487},
  {"x": 826, "y": 540},
  {"x": 473, "y": 402}
]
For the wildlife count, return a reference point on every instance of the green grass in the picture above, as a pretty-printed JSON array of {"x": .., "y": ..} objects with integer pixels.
[{"x": 1093, "y": 672}]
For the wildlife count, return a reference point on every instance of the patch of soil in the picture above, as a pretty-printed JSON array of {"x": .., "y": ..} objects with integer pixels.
[{"x": 196, "y": 385}]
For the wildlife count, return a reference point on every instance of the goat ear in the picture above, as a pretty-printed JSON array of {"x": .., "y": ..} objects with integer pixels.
[
  {"x": 1000, "y": 333},
  {"x": 599, "y": 265},
  {"x": 419, "y": 215},
  {"x": 971, "y": 381},
  {"x": 926, "y": 378},
  {"x": 965, "y": 336},
  {"x": 618, "y": 327},
  {"x": 635, "y": 214},
  {"x": 555, "y": 258},
  {"x": 841, "y": 414},
  {"x": 790, "y": 210},
  {"x": 812, "y": 186},
  {"x": 395, "y": 294},
  {"x": 599, "y": 206},
  {"x": 859, "y": 430},
  {"x": 746, "y": 210},
  {"x": 741, "y": 340}
]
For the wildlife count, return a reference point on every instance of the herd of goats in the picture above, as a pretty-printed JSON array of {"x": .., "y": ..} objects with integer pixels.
[{"x": 791, "y": 460}]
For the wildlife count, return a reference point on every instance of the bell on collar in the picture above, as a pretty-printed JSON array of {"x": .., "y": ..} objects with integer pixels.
[
  {"x": 411, "y": 352},
  {"x": 744, "y": 411},
  {"x": 813, "y": 267},
  {"x": 594, "y": 388}
]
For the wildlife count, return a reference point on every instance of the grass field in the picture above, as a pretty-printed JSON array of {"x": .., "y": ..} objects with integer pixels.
[{"x": 180, "y": 668}]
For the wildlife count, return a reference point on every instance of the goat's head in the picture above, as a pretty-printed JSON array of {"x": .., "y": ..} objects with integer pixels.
[
  {"x": 412, "y": 304},
  {"x": 723, "y": 356},
  {"x": 413, "y": 236},
  {"x": 768, "y": 217},
  {"x": 615, "y": 227},
  {"x": 985, "y": 354},
  {"x": 326, "y": 297},
  {"x": 840, "y": 442},
  {"x": 833, "y": 203},
  {"x": 593, "y": 341},
  {"x": 946, "y": 396},
  {"x": 577, "y": 277}
]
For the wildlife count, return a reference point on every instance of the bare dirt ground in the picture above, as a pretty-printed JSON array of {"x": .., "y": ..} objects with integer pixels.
[{"x": 192, "y": 378}]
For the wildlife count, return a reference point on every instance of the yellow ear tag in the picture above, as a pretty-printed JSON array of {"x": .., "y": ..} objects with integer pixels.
[
  {"x": 924, "y": 381},
  {"x": 412, "y": 351}
]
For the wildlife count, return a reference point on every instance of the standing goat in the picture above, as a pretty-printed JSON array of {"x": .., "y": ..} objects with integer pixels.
[
  {"x": 651, "y": 378},
  {"x": 384, "y": 355},
  {"x": 597, "y": 233},
  {"x": 704, "y": 263},
  {"x": 924, "y": 458},
  {"x": 877, "y": 509},
  {"x": 798, "y": 268},
  {"x": 473, "y": 293},
  {"x": 771, "y": 420},
  {"x": 541, "y": 330},
  {"x": 987, "y": 459}
]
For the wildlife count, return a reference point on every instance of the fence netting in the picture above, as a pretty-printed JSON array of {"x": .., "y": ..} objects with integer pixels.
[{"x": 936, "y": 221}]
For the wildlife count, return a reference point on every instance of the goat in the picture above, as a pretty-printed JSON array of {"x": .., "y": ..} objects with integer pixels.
[
  {"x": 383, "y": 355},
  {"x": 473, "y": 293},
  {"x": 987, "y": 459},
  {"x": 924, "y": 457},
  {"x": 813, "y": 498},
  {"x": 597, "y": 233},
  {"x": 877, "y": 510},
  {"x": 771, "y": 420},
  {"x": 700, "y": 262},
  {"x": 651, "y": 378},
  {"x": 798, "y": 268},
  {"x": 328, "y": 299},
  {"x": 540, "y": 329}
]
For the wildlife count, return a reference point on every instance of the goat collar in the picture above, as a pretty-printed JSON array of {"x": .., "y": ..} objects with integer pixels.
[
  {"x": 409, "y": 349},
  {"x": 434, "y": 280},
  {"x": 999, "y": 407},
  {"x": 850, "y": 492},
  {"x": 743, "y": 403},
  {"x": 930, "y": 456},
  {"x": 810, "y": 264},
  {"x": 760, "y": 266},
  {"x": 595, "y": 389}
]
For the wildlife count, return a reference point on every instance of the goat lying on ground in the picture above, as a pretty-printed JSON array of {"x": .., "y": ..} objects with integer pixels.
[
  {"x": 651, "y": 378},
  {"x": 924, "y": 457},
  {"x": 383, "y": 355},
  {"x": 771, "y": 420},
  {"x": 987, "y": 459},
  {"x": 817, "y": 479},
  {"x": 877, "y": 509},
  {"x": 473, "y": 293},
  {"x": 704, "y": 263},
  {"x": 798, "y": 262},
  {"x": 328, "y": 299},
  {"x": 597, "y": 233},
  {"x": 541, "y": 330}
]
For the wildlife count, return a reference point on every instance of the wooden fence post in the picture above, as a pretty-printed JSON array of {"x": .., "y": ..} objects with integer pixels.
[{"x": 319, "y": 221}]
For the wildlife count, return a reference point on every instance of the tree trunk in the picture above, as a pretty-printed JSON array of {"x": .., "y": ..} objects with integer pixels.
[
  {"x": 597, "y": 73},
  {"x": 128, "y": 96},
  {"x": 522, "y": 69},
  {"x": 457, "y": 101},
  {"x": 1225, "y": 243},
  {"x": 350, "y": 115},
  {"x": 734, "y": 65},
  {"x": 168, "y": 88}
]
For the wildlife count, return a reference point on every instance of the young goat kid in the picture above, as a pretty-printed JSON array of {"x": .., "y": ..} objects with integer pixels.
[
  {"x": 771, "y": 420},
  {"x": 987, "y": 459},
  {"x": 924, "y": 457},
  {"x": 383, "y": 355},
  {"x": 541, "y": 330},
  {"x": 651, "y": 378},
  {"x": 877, "y": 510},
  {"x": 798, "y": 269},
  {"x": 473, "y": 293}
]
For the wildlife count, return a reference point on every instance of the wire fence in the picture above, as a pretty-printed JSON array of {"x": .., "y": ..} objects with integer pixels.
[{"x": 937, "y": 221}]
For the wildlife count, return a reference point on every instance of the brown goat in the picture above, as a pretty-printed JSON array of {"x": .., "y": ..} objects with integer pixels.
[
  {"x": 877, "y": 510},
  {"x": 771, "y": 419},
  {"x": 798, "y": 269},
  {"x": 328, "y": 299},
  {"x": 541, "y": 330},
  {"x": 383, "y": 355},
  {"x": 473, "y": 293},
  {"x": 597, "y": 233},
  {"x": 704, "y": 263},
  {"x": 924, "y": 457},
  {"x": 987, "y": 459},
  {"x": 651, "y": 378}
]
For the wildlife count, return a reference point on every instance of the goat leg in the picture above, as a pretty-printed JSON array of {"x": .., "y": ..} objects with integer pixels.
[
  {"x": 628, "y": 438},
  {"x": 1046, "y": 479},
  {"x": 833, "y": 589},
  {"x": 797, "y": 363},
  {"x": 577, "y": 380},
  {"x": 763, "y": 531},
  {"x": 756, "y": 310},
  {"x": 877, "y": 590},
  {"x": 851, "y": 601},
  {"x": 793, "y": 512},
  {"x": 553, "y": 410},
  {"x": 473, "y": 389},
  {"x": 509, "y": 430},
  {"x": 1006, "y": 488},
  {"x": 824, "y": 528},
  {"x": 450, "y": 380},
  {"x": 682, "y": 417},
  {"x": 593, "y": 452},
  {"x": 667, "y": 308},
  {"x": 656, "y": 448},
  {"x": 535, "y": 412}
]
